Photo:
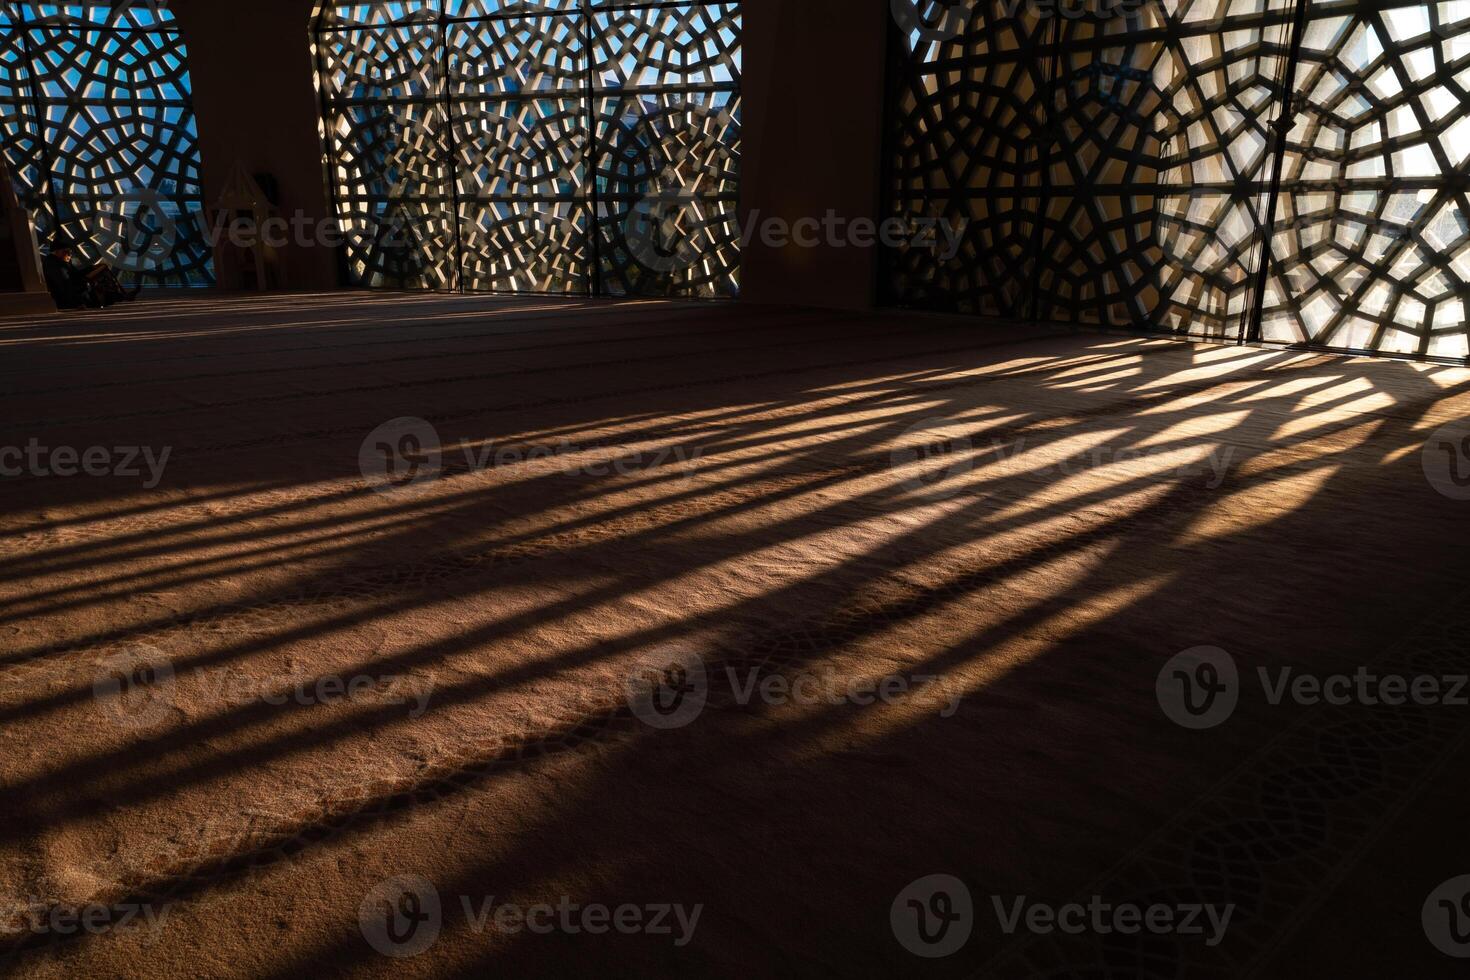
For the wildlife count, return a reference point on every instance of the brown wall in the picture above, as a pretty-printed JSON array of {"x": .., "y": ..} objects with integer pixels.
[
  {"x": 812, "y": 129},
  {"x": 255, "y": 97},
  {"x": 812, "y": 107}
]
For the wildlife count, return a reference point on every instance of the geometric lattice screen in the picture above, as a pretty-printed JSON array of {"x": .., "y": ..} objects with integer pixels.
[
  {"x": 97, "y": 126},
  {"x": 1214, "y": 168},
  {"x": 559, "y": 146}
]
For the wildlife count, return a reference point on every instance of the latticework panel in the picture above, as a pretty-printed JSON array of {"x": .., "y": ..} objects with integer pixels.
[
  {"x": 387, "y": 137},
  {"x": 967, "y": 125},
  {"x": 1109, "y": 167},
  {"x": 1372, "y": 247},
  {"x": 1219, "y": 80},
  {"x": 97, "y": 126},
  {"x": 668, "y": 173},
  {"x": 554, "y": 124},
  {"x": 522, "y": 179},
  {"x": 520, "y": 143},
  {"x": 1115, "y": 166}
]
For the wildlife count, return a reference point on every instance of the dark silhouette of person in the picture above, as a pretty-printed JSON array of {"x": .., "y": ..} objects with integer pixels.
[{"x": 69, "y": 286}]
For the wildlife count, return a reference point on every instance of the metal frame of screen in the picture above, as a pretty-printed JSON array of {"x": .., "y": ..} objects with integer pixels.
[
  {"x": 560, "y": 146},
  {"x": 1118, "y": 162},
  {"x": 97, "y": 125}
]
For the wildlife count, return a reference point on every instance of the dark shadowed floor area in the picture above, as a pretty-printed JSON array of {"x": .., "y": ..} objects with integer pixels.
[{"x": 701, "y": 633}]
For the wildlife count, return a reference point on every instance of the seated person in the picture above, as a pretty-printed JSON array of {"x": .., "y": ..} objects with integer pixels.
[{"x": 68, "y": 284}]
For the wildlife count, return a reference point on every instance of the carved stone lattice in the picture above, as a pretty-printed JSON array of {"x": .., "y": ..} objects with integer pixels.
[
  {"x": 97, "y": 124},
  {"x": 492, "y": 146},
  {"x": 1114, "y": 161}
]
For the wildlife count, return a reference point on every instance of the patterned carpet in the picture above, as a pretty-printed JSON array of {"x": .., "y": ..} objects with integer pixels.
[{"x": 370, "y": 633}]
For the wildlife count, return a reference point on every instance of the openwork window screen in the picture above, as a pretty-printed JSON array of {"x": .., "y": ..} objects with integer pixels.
[
  {"x": 560, "y": 146},
  {"x": 97, "y": 126},
  {"x": 1239, "y": 169}
]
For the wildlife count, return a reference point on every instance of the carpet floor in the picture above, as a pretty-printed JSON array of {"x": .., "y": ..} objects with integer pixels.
[{"x": 386, "y": 635}]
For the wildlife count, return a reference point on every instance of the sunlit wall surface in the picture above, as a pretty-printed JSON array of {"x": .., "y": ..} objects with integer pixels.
[
  {"x": 97, "y": 126},
  {"x": 1115, "y": 161},
  {"x": 564, "y": 146}
]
